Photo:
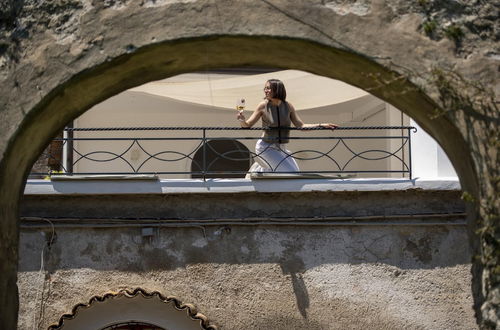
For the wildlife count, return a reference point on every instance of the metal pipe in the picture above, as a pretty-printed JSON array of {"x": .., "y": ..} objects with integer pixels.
[
  {"x": 238, "y": 172},
  {"x": 90, "y": 129},
  {"x": 324, "y": 221},
  {"x": 183, "y": 225},
  {"x": 231, "y": 138},
  {"x": 366, "y": 217}
]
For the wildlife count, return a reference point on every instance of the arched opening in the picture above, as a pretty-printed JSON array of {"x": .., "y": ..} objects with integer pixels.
[
  {"x": 162, "y": 128},
  {"x": 415, "y": 103},
  {"x": 221, "y": 159},
  {"x": 158, "y": 61},
  {"x": 132, "y": 326},
  {"x": 133, "y": 310}
]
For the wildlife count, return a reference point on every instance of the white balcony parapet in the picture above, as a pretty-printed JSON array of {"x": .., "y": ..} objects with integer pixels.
[{"x": 141, "y": 186}]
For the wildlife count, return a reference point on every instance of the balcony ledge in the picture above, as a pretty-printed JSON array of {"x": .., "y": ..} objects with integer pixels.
[{"x": 153, "y": 185}]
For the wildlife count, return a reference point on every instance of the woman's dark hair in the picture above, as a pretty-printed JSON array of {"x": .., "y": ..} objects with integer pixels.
[{"x": 278, "y": 90}]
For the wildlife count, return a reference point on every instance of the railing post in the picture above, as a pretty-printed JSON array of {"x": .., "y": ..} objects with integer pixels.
[
  {"x": 204, "y": 146},
  {"x": 69, "y": 148},
  {"x": 409, "y": 151}
]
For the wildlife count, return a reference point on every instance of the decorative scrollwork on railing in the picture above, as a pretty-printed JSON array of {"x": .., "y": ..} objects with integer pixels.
[{"x": 228, "y": 151}]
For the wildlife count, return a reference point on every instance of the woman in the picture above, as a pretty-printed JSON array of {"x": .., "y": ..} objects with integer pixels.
[{"x": 275, "y": 111}]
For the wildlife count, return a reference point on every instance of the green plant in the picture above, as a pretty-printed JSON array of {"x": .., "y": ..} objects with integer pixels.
[
  {"x": 454, "y": 32},
  {"x": 429, "y": 27},
  {"x": 51, "y": 173},
  {"x": 467, "y": 197}
]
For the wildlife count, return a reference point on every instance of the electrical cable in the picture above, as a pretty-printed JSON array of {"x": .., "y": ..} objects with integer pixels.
[
  {"x": 36, "y": 325},
  {"x": 382, "y": 220}
]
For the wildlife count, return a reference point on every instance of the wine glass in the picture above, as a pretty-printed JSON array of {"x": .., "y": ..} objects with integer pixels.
[{"x": 240, "y": 106}]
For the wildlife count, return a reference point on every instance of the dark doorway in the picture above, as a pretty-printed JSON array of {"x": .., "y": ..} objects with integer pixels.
[
  {"x": 221, "y": 159},
  {"x": 133, "y": 326}
]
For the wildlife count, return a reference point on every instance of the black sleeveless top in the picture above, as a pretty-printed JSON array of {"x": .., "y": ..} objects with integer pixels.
[{"x": 276, "y": 116}]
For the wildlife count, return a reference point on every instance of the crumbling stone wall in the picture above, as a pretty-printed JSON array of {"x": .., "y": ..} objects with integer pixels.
[{"x": 58, "y": 58}]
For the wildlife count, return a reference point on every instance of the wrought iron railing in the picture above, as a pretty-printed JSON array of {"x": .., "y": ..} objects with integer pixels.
[{"x": 204, "y": 152}]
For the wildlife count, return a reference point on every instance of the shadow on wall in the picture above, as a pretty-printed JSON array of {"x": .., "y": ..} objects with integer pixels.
[{"x": 295, "y": 249}]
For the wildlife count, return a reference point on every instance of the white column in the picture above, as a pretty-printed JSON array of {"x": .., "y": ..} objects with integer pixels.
[{"x": 428, "y": 159}]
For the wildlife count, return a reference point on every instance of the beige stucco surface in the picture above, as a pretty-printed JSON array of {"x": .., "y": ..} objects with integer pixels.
[
  {"x": 305, "y": 91},
  {"x": 261, "y": 278},
  {"x": 254, "y": 260},
  {"x": 60, "y": 58}
]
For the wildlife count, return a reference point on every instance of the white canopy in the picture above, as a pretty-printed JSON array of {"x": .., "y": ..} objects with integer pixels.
[{"x": 304, "y": 90}]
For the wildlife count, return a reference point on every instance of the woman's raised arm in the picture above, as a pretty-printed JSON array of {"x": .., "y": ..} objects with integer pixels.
[{"x": 253, "y": 118}]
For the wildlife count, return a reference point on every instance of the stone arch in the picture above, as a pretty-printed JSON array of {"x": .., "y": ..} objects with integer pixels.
[
  {"x": 160, "y": 60},
  {"x": 134, "y": 305},
  {"x": 67, "y": 101}
]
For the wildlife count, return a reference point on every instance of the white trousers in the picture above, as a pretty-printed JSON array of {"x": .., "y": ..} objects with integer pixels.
[{"x": 273, "y": 157}]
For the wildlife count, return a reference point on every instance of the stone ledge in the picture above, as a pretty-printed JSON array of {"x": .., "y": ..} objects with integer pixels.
[{"x": 140, "y": 186}]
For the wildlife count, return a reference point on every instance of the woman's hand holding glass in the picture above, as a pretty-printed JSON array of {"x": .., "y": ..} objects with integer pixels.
[
  {"x": 240, "y": 116},
  {"x": 240, "y": 106}
]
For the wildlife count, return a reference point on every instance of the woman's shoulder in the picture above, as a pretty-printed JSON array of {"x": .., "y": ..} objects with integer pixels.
[
  {"x": 290, "y": 106},
  {"x": 262, "y": 105}
]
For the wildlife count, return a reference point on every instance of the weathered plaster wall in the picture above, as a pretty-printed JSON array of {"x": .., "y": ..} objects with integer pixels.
[
  {"x": 382, "y": 271},
  {"x": 265, "y": 277},
  {"x": 60, "y": 57}
]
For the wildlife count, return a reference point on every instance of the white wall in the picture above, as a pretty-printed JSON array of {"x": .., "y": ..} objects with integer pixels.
[{"x": 428, "y": 159}]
